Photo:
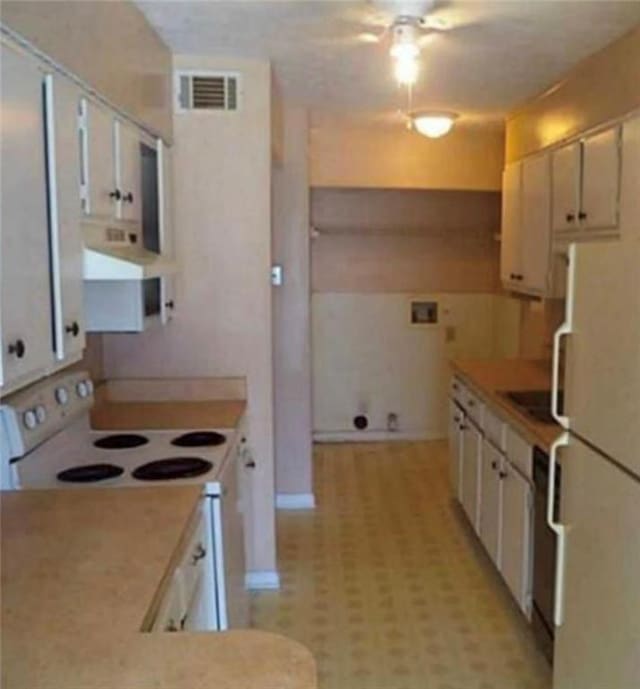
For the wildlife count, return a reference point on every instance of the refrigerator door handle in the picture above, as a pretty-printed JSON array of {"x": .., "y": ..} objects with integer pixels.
[
  {"x": 559, "y": 529},
  {"x": 565, "y": 329}
]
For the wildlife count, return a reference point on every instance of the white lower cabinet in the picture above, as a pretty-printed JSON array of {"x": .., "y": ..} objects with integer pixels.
[
  {"x": 470, "y": 485},
  {"x": 517, "y": 535},
  {"x": 456, "y": 422},
  {"x": 496, "y": 493},
  {"x": 492, "y": 506}
]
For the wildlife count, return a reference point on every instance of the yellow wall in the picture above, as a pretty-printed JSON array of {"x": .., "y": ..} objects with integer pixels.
[
  {"x": 110, "y": 45},
  {"x": 602, "y": 87},
  {"x": 346, "y": 152}
]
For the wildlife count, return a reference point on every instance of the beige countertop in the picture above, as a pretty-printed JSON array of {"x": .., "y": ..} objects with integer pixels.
[
  {"x": 133, "y": 415},
  {"x": 79, "y": 572},
  {"x": 491, "y": 377}
]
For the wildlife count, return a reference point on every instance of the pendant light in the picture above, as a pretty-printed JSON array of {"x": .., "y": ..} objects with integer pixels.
[{"x": 433, "y": 124}]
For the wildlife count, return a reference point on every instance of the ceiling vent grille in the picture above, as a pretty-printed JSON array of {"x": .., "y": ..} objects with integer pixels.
[{"x": 207, "y": 91}]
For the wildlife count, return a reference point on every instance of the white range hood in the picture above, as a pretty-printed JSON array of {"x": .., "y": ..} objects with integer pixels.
[{"x": 125, "y": 263}]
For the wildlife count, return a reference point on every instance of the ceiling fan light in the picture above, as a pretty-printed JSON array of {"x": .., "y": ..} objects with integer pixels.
[
  {"x": 406, "y": 71},
  {"x": 433, "y": 124},
  {"x": 404, "y": 51}
]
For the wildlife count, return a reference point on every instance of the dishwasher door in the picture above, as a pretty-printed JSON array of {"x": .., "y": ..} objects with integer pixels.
[{"x": 544, "y": 555}]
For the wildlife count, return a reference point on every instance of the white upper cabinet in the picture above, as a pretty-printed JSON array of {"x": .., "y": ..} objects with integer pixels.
[
  {"x": 62, "y": 102},
  {"x": 510, "y": 250},
  {"x": 111, "y": 167},
  {"x": 25, "y": 303},
  {"x": 526, "y": 220},
  {"x": 165, "y": 222},
  {"x": 586, "y": 184},
  {"x": 128, "y": 174},
  {"x": 600, "y": 180},
  {"x": 535, "y": 229},
  {"x": 566, "y": 166},
  {"x": 101, "y": 196}
]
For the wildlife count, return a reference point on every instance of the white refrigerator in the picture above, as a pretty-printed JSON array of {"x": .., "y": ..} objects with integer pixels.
[{"x": 597, "y": 604}]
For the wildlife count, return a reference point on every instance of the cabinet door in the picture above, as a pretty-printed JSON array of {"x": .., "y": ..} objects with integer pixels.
[
  {"x": 63, "y": 147},
  {"x": 128, "y": 172},
  {"x": 601, "y": 180},
  {"x": 165, "y": 221},
  {"x": 491, "y": 491},
  {"x": 99, "y": 166},
  {"x": 516, "y": 535},
  {"x": 456, "y": 420},
  {"x": 25, "y": 305},
  {"x": 565, "y": 194},
  {"x": 471, "y": 455},
  {"x": 536, "y": 223},
  {"x": 510, "y": 246}
]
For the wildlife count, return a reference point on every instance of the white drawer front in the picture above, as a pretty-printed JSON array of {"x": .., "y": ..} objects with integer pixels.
[
  {"x": 458, "y": 390},
  {"x": 474, "y": 407},
  {"x": 519, "y": 452},
  {"x": 495, "y": 429}
]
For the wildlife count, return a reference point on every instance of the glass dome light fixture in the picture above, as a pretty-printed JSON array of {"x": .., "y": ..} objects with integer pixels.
[{"x": 433, "y": 124}]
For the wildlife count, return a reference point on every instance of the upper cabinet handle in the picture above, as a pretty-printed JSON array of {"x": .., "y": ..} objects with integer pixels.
[
  {"x": 570, "y": 217},
  {"x": 128, "y": 197},
  {"x": 18, "y": 348},
  {"x": 116, "y": 195},
  {"x": 582, "y": 215},
  {"x": 73, "y": 329}
]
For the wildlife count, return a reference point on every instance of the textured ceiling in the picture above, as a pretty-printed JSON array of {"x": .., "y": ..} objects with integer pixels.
[{"x": 494, "y": 55}]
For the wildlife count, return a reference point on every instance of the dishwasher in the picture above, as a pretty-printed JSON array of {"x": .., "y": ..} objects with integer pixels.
[{"x": 544, "y": 554}]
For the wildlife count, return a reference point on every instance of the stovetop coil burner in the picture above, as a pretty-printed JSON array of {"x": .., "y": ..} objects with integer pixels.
[
  {"x": 121, "y": 441},
  {"x": 199, "y": 439},
  {"x": 172, "y": 468},
  {"x": 90, "y": 473}
]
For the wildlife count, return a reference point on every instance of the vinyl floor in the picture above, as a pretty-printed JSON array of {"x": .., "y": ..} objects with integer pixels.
[{"x": 388, "y": 586}]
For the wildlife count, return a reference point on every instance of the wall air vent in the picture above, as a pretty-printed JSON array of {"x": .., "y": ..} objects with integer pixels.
[{"x": 207, "y": 91}]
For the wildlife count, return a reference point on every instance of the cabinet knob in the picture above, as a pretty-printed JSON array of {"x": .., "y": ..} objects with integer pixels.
[
  {"x": 18, "y": 348},
  {"x": 169, "y": 304},
  {"x": 115, "y": 195},
  {"x": 199, "y": 554},
  {"x": 582, "y": 215},
  {"x": 250, "y": 464},
  {"x": 494, "y": 465},
  {"x": 128, "y": 197},
  {"x": 503, "y": 475},
  {"x": 570, "y": 217},
  {"x": 73, "y": 329}
]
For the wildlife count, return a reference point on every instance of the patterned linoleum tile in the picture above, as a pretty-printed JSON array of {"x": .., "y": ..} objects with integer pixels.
[{"x": 387, "y": 586}]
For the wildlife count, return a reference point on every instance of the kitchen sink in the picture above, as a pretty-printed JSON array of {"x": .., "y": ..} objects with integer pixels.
[{"x": 535, "y": 404}]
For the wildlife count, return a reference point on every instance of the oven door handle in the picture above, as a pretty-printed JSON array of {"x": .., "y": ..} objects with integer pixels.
[{"x": 558, "y": 528}]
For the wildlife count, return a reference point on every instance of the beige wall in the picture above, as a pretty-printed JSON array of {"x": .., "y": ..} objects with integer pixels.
[
  {"x": 368, "y": 358},
  {"x": 292, "y": 346},
  {"x": 380, "y": 240},
  {"x": 539, "y": 321},
  {"x": 222, "y": 325},
  {"x": 110, "y": 45},
  {"x": 347, "y": 152},
  {"x": 601, "y": 88}
]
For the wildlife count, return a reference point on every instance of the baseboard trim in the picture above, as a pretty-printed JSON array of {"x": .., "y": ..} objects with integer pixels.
[
  {"x": 374, "y": 436},
  {"x": 295, "y": 501},
  {"x": 266, "y": 579}
]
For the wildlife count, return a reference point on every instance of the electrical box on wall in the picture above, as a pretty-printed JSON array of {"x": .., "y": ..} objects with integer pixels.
[{"x": 424, "y": 313}]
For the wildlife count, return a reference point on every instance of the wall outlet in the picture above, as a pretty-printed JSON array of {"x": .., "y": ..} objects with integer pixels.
[{"x": 276, "y": 275}]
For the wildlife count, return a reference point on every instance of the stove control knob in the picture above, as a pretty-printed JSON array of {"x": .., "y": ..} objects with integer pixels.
[
  {"x": 62, "y": 396},
  {"x": 82, "y": 389},
  {"x": 41, "y": 413},
  {"x": 29, "y": 419}
]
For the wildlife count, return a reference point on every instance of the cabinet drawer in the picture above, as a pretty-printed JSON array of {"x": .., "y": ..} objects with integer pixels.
[
  {"x": 474, "y": 407},
  {"x": 495, "y": 429},
  {"x": 193, "y": 562},
  {"x": 519, "y": 452},
  {"x": 457, "y": 390}
]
